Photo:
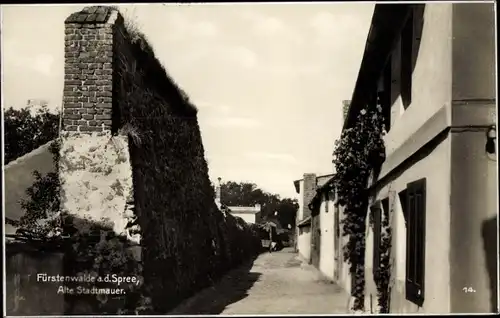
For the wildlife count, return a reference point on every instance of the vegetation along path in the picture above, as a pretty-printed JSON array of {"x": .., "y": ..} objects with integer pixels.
[{"x": 274, "y": 283}]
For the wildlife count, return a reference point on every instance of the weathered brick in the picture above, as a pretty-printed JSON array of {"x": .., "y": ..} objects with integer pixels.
[
  {"x": 69, "y": 92},
  {"x": 88, "y": 116},
  {"x": 73, "y": 116},
  {"x": 104, "y": 105},
  {"x": 72, "y": 82},
  {"x": 71, "y": 128},
  {"x": 101, "y": 82},
  {"x": 88, "y": 105},
  {"x": 104, "y": 94},
  {"x": 90, "y": 128},
  {"x": 103, "y": 60},
  {"x": 102, "y": 117},
  {"x": 72, "y": 105},
  {"x": 104, "y": 99},
  {"x": 72, "y": 70}
]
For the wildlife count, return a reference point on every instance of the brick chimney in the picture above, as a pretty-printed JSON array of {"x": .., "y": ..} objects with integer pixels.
[
  {"x": 308, "y": 192},
  {"x": 345, "y": 108},
  {"x": 217, "y": 191}
]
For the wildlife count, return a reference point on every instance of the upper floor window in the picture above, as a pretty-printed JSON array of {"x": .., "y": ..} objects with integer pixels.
[
  {"x": 327, "y": 199},
  {"x": 407, "y": 39},
  {"x": 384, "y": 94}
]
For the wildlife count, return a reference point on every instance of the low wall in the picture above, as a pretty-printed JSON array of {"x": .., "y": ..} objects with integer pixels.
[
  {"x": 304, "y": 242},
  {"x": 24, "y": 295}
]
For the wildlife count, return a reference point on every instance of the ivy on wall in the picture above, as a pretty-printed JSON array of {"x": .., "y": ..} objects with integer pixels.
[
  {"x": 357, "y": 153},
  {"x": 383, "y": 273}
]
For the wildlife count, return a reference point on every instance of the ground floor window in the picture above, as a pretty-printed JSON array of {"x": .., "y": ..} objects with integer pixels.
[{"x": 415, "y": 241}]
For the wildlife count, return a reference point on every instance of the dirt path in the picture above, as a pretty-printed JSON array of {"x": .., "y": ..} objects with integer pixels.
[{"x": 276, "y": 283}]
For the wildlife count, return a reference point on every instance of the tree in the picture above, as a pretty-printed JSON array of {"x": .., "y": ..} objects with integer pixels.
[
  {"x": 249, "y": 194},
  {"x": 25, "y": 131}
]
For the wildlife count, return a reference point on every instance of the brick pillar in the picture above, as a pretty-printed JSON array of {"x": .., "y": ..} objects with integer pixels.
[
  {"x": 95, "y": 169},
  {"x": 88, "y": 80},
  {"x": 309, "y": 192}
]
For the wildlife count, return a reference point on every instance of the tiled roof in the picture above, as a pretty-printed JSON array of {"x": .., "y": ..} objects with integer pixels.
[
  {"x": 95, "y": 14},
  {"x": 304, "y": 222},
  {"x": 19, "y": 176}
]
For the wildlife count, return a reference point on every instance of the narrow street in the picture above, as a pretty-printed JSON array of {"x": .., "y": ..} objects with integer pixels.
[{"x": 274, "y": 283}]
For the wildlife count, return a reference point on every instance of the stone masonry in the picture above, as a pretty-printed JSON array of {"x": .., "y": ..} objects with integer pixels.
[{"x": 88, "y": 76}]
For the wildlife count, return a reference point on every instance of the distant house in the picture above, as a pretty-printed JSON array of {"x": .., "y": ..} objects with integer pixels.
[
  {"x": 306, "y": 188},
  {"x": 433, "y": 67},
  {"x": 250, "y": 214},
  {"x": 19, "y": 177}
]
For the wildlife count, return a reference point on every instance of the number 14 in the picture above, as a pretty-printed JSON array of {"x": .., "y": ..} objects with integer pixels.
[{"x": 468, "y": 290}]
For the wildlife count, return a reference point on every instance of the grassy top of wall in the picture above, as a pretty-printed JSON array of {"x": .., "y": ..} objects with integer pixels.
[{"x": 140, "y": 70}]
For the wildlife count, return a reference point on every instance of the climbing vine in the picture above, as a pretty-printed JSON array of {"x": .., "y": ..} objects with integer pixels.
[
  {"x": 383, "y": 273},
  {"x": 359, "y": 150}
]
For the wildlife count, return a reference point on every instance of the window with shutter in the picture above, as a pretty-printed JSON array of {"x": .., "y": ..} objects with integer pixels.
[
  {"x": 415, "y": 241},
  {"x": 377, "y": 228},
  {"x": 327, "y": 199}
]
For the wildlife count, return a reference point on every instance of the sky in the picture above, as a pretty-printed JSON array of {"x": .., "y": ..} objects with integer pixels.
[{"x": 268, "y": 79}]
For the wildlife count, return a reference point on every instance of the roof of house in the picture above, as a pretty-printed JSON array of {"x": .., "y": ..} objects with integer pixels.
[
  {"x": 387, "y": 23},
  {"x": 18, "y": 176},
  {"x": 244, "y": 209},
  {"x": 327, "y": 186}
]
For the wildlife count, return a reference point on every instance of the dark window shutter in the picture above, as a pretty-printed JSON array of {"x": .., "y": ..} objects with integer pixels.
[
  {"x": 407, "y": 61},
  {"x": 386, "y": 101},
  {"x": 415, "y": 241},
  {"x": 377, "y": 229}
]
